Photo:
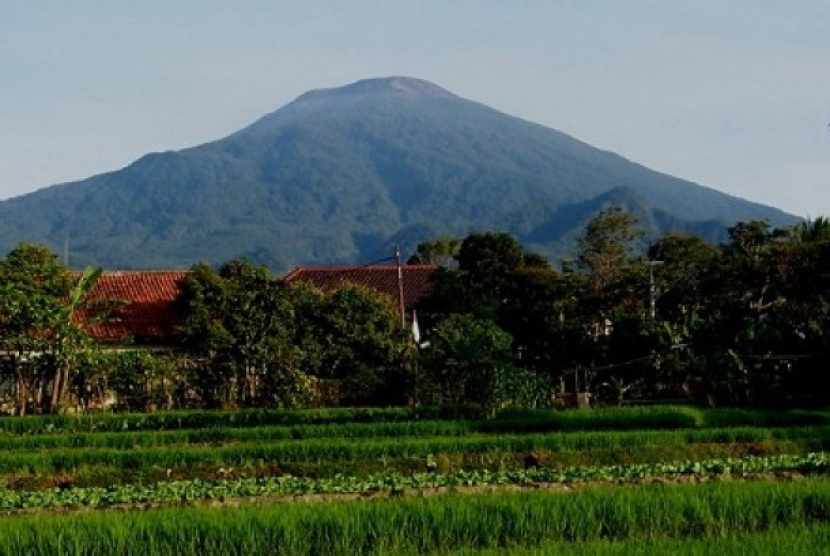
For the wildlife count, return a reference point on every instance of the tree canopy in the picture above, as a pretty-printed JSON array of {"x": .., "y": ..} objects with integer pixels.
[{"x": 742, "y": 323}]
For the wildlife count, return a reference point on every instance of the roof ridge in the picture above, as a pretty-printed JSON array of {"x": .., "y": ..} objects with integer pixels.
[
  {"x": 358, "y": 267},
  {"x": 149, "y": 271}
]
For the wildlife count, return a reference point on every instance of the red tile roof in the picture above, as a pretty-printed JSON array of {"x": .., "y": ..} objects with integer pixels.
[
  {"x": 384, "y": 279},
  {"x": 145, "y": 311},
  {"x": 148, "y": 312}
]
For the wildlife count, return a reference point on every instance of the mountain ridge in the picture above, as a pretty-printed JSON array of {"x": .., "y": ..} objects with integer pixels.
[{"x": 336, "y": 174}]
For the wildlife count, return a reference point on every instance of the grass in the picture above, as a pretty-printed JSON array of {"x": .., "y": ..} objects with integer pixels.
[
  {"x": 641, "y": 418},
  {"x": 452, "y": 522},
  {"x": 355, "y": 450},
  {"x": 189, "y": 419},
  {"x": 147, "y": 452},
  {"x": 797, "y": 540},
  {"x": 430, "y": 428}
]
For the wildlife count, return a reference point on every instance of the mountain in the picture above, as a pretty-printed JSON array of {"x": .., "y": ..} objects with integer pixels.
[{"x": 340, "y": 175}]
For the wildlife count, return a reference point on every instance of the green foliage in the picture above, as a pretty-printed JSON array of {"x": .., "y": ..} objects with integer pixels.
[
  {"x": 440, "y": 251},
  {"x": 262, "y": 342},
  {"x": 460, "y": 357},
  {"x": 364, "y": 345},
  {"x": 740, "y": 324},
  {"x": 497, "y": 386},
  {"x": 137, "y": 379},
  {"x": 257, "y": 448},
  {"x": 238, "y": 322},
  {"x": 797, "y": 540},
  {"x": 39, "y": 338},
  {"x": 332, "y": 179},
  {"x": 287, "y": 485},
  {"x": 606, "y": 247},
  {"x": 464, "y": 419},
  {"x": 650, "y": 514}
]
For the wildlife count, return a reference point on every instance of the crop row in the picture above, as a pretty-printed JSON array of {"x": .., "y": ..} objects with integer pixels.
[
  {"x": 315, "y": 450},
  {"x": 797, "y": 540},
  {"x": 177, "y": 491},
  {"x": 144, "y": 439},
  {"x": 404, "y": 430},
  {"x": 426, "y": 525},
  {"x": 647, "y": 418},
  {"x": 181, "y": 420}
]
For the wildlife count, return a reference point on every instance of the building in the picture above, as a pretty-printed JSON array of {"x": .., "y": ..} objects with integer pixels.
[
  {"x": 143, "y": 302},
  {"x": 143, "y": 309},
  {"x": 415, "y": 280}
]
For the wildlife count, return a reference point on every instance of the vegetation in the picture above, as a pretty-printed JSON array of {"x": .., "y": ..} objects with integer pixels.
[
  {"x": 106, "y": 449},
  {"x": 288, "y": 485},
  {"x": 40, "y": 342},
  {"x": 472, "y": 412},
  {"x": 408, "y": 526},
  {"x": 212, "y": 450},
  {"x": 345, "y": 176},
  {"x": 799, "y": 540},
  {"x": 703, "y": 473},
  {"x": 464, "y": 418},
  {"x": 741, "y": 324}
]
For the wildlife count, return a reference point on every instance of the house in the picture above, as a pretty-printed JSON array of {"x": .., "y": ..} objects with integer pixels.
[
  {"x": 415, "y": 280},
  {"x": 144, "y": 311}
]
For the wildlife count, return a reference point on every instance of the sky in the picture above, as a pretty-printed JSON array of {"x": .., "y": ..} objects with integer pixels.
[{"x": 734, "y": 95}]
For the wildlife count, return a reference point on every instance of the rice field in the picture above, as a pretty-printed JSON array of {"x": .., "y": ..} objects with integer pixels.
[
  {"x": 416, "y": 480},
  {"x": 706, "y": 513}
]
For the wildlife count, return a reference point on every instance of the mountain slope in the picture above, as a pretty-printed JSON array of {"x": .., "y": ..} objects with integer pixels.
[{"x": 339, "y": 173}]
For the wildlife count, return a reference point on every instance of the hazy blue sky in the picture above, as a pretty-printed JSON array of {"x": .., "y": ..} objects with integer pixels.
[{"x": 732, "y": 94}]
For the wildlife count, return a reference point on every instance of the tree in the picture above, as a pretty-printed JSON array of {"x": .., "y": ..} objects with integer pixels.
[
  {"x": 758, "y": 329},
  {"x": 354, "y": 337},
  {"x": 459, "y": 348},
  {"x": 749, "y": 237},
  {"x": 686, "y": 263},
  {"x": 440, "y": 251},
  {"x": 264, "y": 342},
  {"x": 479, "y": 285},
  {"x": 238, "y": 320},
  {"x": 606, "y": 248},
  {"x": 812, "y": 231},
  {"x": 486, "y": 262},
  {"x": 469, "y": 360},
  {"x": 486, "y": 259},
  {"x": 38, "y": 333},
  {"x": 532, "y": 310}
]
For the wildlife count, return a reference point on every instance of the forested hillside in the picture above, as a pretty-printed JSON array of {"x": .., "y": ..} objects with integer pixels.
[{"x": 343, "y": 175}]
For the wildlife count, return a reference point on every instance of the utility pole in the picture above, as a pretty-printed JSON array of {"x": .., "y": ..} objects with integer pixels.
[
  {"x": 652, "y": 290},
  {"x": 399, "y": 266},
  {"x": 400, "y": 286}
]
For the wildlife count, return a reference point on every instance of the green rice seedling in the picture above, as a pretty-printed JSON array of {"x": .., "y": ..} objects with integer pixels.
[
  {"x": 708, "y": 513},
  {"x": 267, "y": 433},
  {"x": 352, "y": 450},
  {"x": 524, "y": 421},
  {"x": 796, "y": 540},
  {"x": 655, "y": 417},
  {"x": 178, "y": 420}
]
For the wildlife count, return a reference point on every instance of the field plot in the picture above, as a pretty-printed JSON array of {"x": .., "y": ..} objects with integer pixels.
[{"x": 414, "y": 480}]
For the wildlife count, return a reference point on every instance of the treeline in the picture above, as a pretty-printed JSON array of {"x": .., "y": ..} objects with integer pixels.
[
  {"x": 744, "y": 323},
  {"x": 736, "y": 324},
  {"x": 247, "y": 339}
]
